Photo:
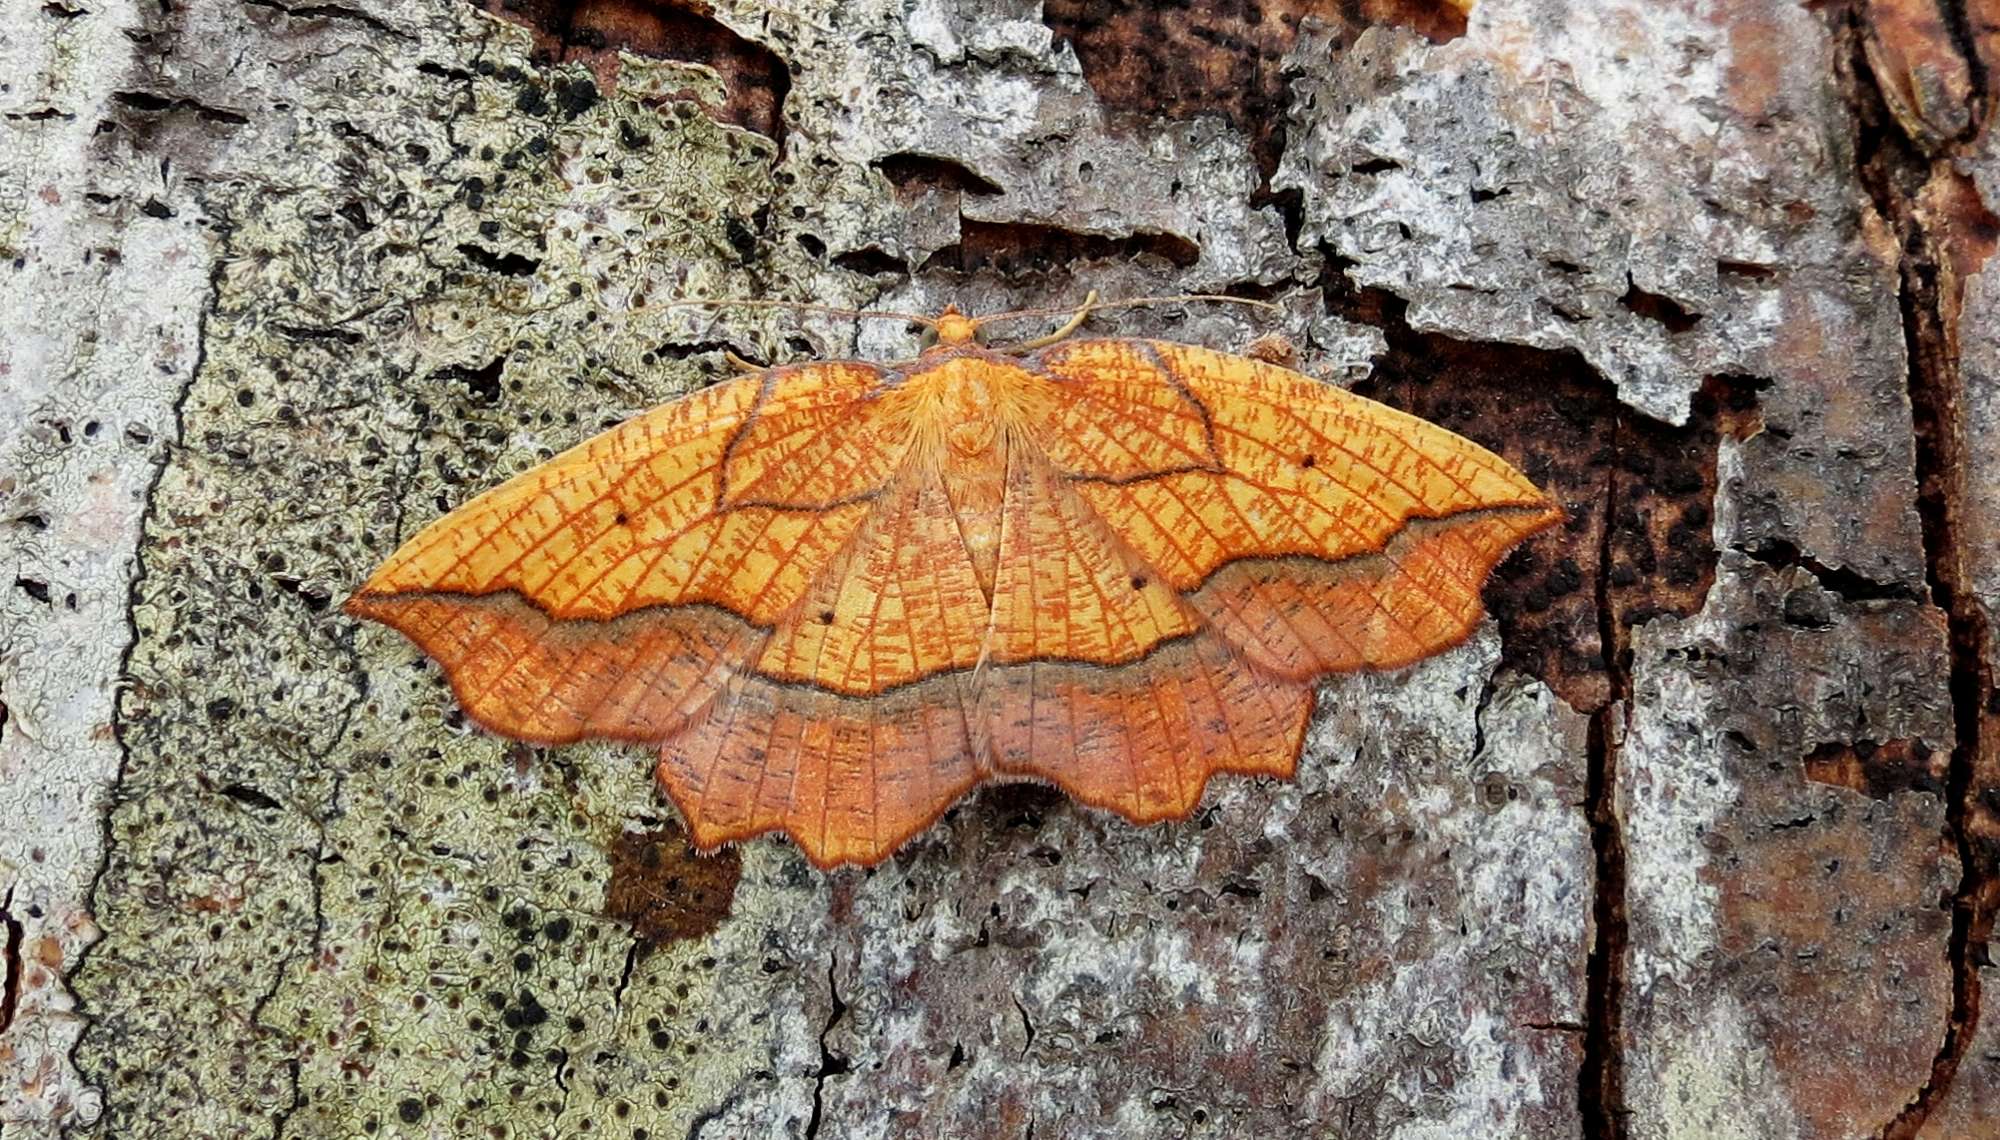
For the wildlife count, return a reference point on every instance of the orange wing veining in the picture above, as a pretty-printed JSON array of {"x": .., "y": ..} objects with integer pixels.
[
  {"x": 1333, "y": 533},
  {"x": 836, "y": 604},
  {"x": 851, "y": 732},
  {"x": 603, "y": 593},
  {"x": 1306, "y": 531},
  {"x": 635, "y": 517},
  {"x": 745, "y": 578}
]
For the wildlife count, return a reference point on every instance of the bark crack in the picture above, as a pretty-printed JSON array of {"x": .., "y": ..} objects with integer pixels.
[
  {"x": 1622, "y": 511},
  {"x": 10, "y": 953},
  {"x": 625, "y": 977},
  {"x": 1895, "y": 170},
  {"x": 317, "y": 892},
  {"x": 831, "y": 1064},
  {"x": 1965, "y": 41},
  {"x": 1847, "y": 584},
  {"x": 225, "y": 231},
  {"x": 322, "y": 852},
  {"x": 331, "y": 12},
  {"x": 1601, "y": 1077},
  {"x": 1487, "y": 689}
]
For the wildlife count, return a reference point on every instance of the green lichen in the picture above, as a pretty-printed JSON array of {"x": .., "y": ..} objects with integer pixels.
[{"x": 331, "y": 908}]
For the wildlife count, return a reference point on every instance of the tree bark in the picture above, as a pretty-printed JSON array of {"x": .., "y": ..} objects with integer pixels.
[{"x": 1695, "y": 836}]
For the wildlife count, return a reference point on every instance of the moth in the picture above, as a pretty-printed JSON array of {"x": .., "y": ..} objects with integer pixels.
[{"x": 838, "y": 596}]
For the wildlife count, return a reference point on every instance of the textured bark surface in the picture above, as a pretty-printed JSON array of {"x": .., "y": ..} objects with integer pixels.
[{"x": 1696, "y": 836}]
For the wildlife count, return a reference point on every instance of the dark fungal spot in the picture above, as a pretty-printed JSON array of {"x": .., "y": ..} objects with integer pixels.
[
  {"x": 1309, "y": 461},
  {"x": 826, "y": 617},
  {"x": 741, "y": 238},
  {"x": 576, "y": 97},
  {"x": 1138, "y": 581},
  {"x": 665, "y": 890}
]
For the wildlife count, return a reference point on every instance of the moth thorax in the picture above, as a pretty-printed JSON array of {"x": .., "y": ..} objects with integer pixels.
[
  {"x": 970, "y": 438},
  {"x": 970, "y": 418}
]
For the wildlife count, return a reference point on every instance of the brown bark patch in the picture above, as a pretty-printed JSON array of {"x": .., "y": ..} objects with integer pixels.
[
  {"x": 1964, "y": 231},
  {"x": 1789, "y": 900},
  {"x": 1551, "y": 415},
  {"x": 1924, "y": 79},
  {"x": 593, "y": 32},
  {"x": 665, "y": 890},
  {"x": 914, "y": 175},
  {"x": 1014, "y": 249},
  {"x": 1225, "y": 58},
  {"x": 1878, "y": 769}
]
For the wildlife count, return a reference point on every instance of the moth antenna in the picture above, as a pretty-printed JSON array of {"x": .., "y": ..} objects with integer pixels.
[
  {"x": 799, "y": 307},
  {"x": 1216, "y": 298},
  {"x": 1091, "y": 305},
  {"x": 1080, "y": 313}
]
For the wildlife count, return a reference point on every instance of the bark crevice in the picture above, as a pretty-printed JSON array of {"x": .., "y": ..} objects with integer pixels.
[
  {"x": 1601, "y": 1077},
  {"x": 1894, "y": 170}
]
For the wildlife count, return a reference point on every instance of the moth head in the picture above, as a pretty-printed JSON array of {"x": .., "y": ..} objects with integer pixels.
[{"x": 951, "y": 329}]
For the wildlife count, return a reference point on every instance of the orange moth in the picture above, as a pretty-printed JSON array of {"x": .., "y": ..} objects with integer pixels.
[{"x": 838, "y": 596}]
